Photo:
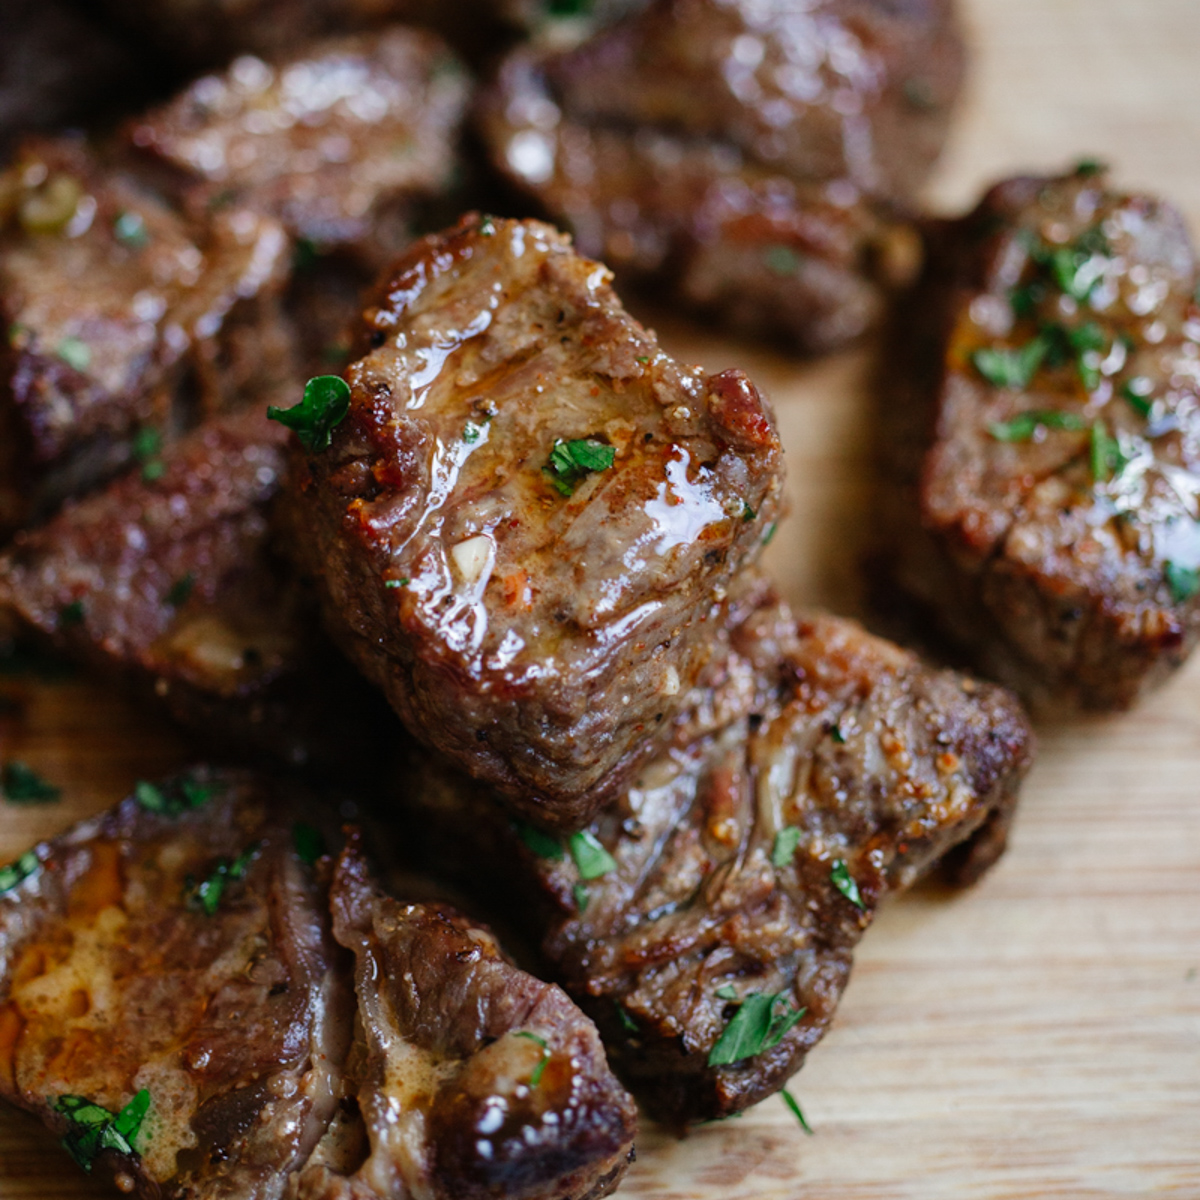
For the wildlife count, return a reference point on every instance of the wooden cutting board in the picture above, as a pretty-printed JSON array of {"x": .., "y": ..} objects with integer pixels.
[{"x": 1038, "y": 1036}]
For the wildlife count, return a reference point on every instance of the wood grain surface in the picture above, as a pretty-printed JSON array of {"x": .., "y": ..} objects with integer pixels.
[{"x": 1038, "y": 1036}]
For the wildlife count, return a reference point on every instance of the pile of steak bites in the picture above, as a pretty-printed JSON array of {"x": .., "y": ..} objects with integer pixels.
[{"x": 448, "y": 563}]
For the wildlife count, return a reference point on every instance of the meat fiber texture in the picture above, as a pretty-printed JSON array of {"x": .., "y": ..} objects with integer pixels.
[
  {"x": 120, "y": 320},
  {"x": 747, "y": 159},
  {"x": 826, "y": 770},
  {"x": 167, "y": 582},
  {"x": 337, "y": 141},
  {"x": 176, "y": 1005},
  {"x": 1042, "y": 439},
  {"x": 537, "y": 618}
]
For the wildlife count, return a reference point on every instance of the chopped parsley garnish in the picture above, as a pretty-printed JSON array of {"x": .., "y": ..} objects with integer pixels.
[
  {"x": 130, "y": 230},
  {"x": 726, "y": 992},
  {"x": 1077, "y": 268},
  {"x": 305, "y": 254},
  {"x": 571, "y": 461},
  {"x": 627, "y": 1022},
  {"x": 395, "y": 583},
  {"x": 781, "y": 260},
  {"x": 643, "y": 358},
  {"x": 1011, "y": 368},
  {"x": 154, "y": 469},
  {"x": 70, "y": 614},
  {"x": 1024, "y": 425},
  {"x": 181, "y": 591},
  {"x": 748, "y": 514},
  {"x": 94, "y": 1129},
  {"x": 23, "y": 785},
  {"x": 325, "y": 405},
  {"x": 536, "y": 1077},
  {"x": 207, "y": 894},
  {"x": 487, "y": 227},
  {"x": 1085, "y": 168},
  {"x": 1107, "y": 458},
  {"x": 147, "y": 443},
  {"x": 17, "y": 872},
  {"x": 841, "y": 879},
  {"x": 1182, "y": 582},
  {"x": 784, "y": 849},
  {"x": 580, "y": 892},
  {"x": 754, "y": 1029},
  {"x": 542, "y": 844},
  {"x": 590, "y": 856},
  {"x": 471, "y": 433},
  {"x": 174, "y": 798},
  {"x": 794, "y": 1105},
  {"x": 308, "y": 842},
  {"x": 770, "y": 533},
  {"x": 1136, "y": 393},
  {"x": 837, "y": 735},
  {"x": 74, "y": 353}
]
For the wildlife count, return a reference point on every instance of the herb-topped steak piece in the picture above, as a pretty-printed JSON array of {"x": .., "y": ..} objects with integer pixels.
[
  {"x": 707, "y": 919},
  {"x": 746, "y": 158},
  {"x": 338, "y": 141},
  {"x": 173, "y": 1002},
  {"x": 1050, "y": 468},
  {"x": 167, "y": 581},
  {"x": 110, "y": 302},
  {"x": 474, "y": 1079},
  {"x": 528, "y": 519}
]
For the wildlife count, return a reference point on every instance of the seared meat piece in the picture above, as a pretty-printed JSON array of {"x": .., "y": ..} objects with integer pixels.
[
  {"x": 167, "y": 581},
  {"x": 173, "y": 1002},
  {"x": 746, "y": 158},
  {"x": 337, "y": 142},
  {"x": 706, "y": 920},
  {"x": 526, "y": 529},
  {"x": 108, "y": 302},
  {"x": 1044, "y": 436},
  {"x": 476, "y": 1080}
]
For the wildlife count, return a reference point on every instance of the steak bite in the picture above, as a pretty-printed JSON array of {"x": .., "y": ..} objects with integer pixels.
[
  {"x": 474, "y": 1079},
  {"x": 173, "y": 1002},
  {"x": 707, "y": 919},
  {"x": 527, "y": 528},
  {"x": 110, "y": 302},
  {"x": 747, "y": 159},
  {"x": 338, "y": 142},
  {"x": 1043, "y": 439},
  {"x": 168, "y": 582}
]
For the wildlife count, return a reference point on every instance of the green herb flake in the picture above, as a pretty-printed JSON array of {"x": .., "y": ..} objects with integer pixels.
[
  {"x": 1136, "y": 393},
  {"x": 1011, "y": 368},
  {"x": 325, "y": 405},
  {"x": 841, "y": 879},
  {"x": 1085, "y": 168},
  {"x": 837, "y": 735},
  {"x": 536, "y": 1077},
  {"x": 308, "y": 842},
  {"x": 784, "y": 849},
  {"x": 147, "y": 442},
  {"x": 580, "y": 892},
  {"x": 781, "y": 260},
  {"x": 726, "y": 992},
  {"x": 643, "y": 359},
  {"x": 1107, "y": 458},
  {"x": 571, "y": 461},
  {"x": 627, "y": 1022},
  {"x": 540, "y": 843},
  {"x": 95, "y": 1129},
  {"x": 70, "y": 614},
  {"x": 754, "y": 1029},
  {"x": 206, "y": 895},
  {"x": 181, "y": 591},
  {"x": 13, "y": 875},
  {"x": 1182, "y": 582},
  {"x": 748, "y": 514},
  {"x": 1024, "y": 425},
  {"x": 472, "y": 433},
  {"x": 23, "y": 785},
  {"x": 174, "y": 798},
  {"x": 487, "y": 227},
  {"x": 770, "y": 533},
  {"x": 590, "y": 855},
  {"x": 794, "y": 1105},
  {"x": 305, "y": 254},
  {"x": 74, "y": 353},
  {"x": 395, "y": 583},
  {"x": 130, "y": 230},
  {"x": 154, "y": 469}
]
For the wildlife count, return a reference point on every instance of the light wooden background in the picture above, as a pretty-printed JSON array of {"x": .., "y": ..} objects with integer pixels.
[{"x": 1036, "y": 1037}]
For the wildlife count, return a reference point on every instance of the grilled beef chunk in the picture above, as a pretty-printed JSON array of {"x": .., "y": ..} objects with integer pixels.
[
  {"x": 526, "y": 527},
  {"x": 1042, "y": 437},
  {"x": 108, "y": 301},
  {"x": 174, "y": 1004},
  {"x": 337, "y": 142},
  {"x": 707, "y": 919},
  {"x": 475, "y": 1079},
  {"x": 746, "y": 158},
  {"x": 168, "y": 581}
]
